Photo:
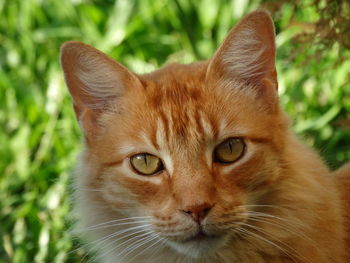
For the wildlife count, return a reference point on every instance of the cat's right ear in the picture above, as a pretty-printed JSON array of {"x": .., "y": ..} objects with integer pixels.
[{"x": 94, "y": 80}]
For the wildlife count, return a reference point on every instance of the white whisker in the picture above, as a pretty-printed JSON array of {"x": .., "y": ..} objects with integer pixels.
[
  {"x": 125, "y": 242},
  {"x": 114, "y": 234},
  {"x": 287, "y": 228},
  {"x": 263, "y": 206},
  {"x": 247, "y": 232},
  {"x": 252, "y": 213},
  {"x": 160, "y": 246},
  {"x": 115, "y": 223},
  {"x": 136, "y": 246},
  {"x": 263, "y": 231}
]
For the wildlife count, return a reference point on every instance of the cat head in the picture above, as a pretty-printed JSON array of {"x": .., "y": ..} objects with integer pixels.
[{"x": 188, "y": 148}]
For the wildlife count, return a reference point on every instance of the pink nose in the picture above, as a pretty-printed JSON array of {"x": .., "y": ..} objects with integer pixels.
[{"x": 198, "y": 212}]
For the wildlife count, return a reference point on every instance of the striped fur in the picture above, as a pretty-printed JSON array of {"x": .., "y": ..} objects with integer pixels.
[{"x": 276, "y": 204}]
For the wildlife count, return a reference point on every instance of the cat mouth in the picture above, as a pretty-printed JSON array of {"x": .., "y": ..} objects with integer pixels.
[
  {"x": 199, "y": 244},
  {"x": 200, "y": 236}
]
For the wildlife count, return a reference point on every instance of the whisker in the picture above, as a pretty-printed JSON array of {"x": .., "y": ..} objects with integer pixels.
[
  {"x": 135, "y": 244},
  {"x": 133, "y": 236},
  {"x": 125, "y": 242},
  {"x": 247, "y": 232},
  {"x": 283, "y": 221},
  {"x": 284, "y": 227},
  {"x": 112, "y": 225},
  {"x": 115, "y": 223},
  {"x": 268, "y": 206},
  {"x": 103, "y": 239},
  {"x": 133, "y": 248},
  {"x": 160, "y": 246},
  {"x": 145, "y": 249},
  {"x": 253, "y": 213},
  {"x": 278, "y": 240}
]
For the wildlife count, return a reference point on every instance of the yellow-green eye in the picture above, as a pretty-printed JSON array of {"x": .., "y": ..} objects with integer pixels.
[
  {"x": 146, "y": 164},
  {"x": 229, "y": 151}
]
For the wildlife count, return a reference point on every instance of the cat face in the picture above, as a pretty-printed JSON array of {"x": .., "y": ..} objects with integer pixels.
[
  {"x": 195, "y": 200},
  {"x": 188, "y": 148}
]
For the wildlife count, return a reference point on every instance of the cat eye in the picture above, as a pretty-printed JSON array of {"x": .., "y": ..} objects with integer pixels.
[
  {"x": 229, "y": 151},
  {"x": 146, "y": 164}
]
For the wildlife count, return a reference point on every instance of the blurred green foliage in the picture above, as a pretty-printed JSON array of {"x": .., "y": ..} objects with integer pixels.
[{"x": 39, "y": 135}]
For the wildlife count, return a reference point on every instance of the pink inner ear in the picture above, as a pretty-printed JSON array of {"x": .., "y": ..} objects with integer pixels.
[
  {"x": 96, "y": 83},
  {"x": 248, "y": 52},
  {"x": 93, "y": 78}
]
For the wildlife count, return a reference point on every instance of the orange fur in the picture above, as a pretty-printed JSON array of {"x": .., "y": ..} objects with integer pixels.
[{"x": 278, "y": 203}]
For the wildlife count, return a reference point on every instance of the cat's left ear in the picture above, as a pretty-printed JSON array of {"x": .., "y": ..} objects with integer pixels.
[{"x": 248, "y": 52}]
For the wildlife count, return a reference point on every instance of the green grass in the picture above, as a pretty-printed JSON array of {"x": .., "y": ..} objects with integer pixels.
[{"x": 39, "y": 136}]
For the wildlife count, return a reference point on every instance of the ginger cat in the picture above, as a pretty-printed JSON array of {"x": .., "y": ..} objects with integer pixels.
[{"x": 197, "y": 163}]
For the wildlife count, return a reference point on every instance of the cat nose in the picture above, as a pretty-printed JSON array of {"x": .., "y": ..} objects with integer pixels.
[{"x": 198, "y": 212}]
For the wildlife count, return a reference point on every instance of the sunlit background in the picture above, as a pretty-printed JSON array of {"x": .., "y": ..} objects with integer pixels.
[{"x": 40, "y": 139}]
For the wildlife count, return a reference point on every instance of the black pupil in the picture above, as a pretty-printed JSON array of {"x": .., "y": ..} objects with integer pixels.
[{"x": 230, "y": 145}]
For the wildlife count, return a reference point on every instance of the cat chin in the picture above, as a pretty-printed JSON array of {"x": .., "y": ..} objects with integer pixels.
[{"x": 197, "y": 249}]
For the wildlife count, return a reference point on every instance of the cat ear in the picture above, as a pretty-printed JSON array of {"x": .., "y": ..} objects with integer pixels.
[
  {"x": 248, "y": 52},
  {"x": 94, "y": 80}
]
